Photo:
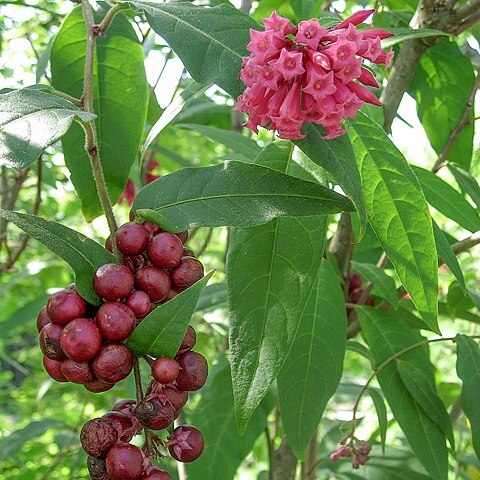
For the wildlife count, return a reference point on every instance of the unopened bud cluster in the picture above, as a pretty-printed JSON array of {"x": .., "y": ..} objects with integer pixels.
[{"x": 358, "y": 452}]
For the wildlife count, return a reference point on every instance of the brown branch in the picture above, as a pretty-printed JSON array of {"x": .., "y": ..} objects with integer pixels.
[
  {"x": 470, "y": 7},
  {"x": 285, "y": 463},
  {"x": 468, "y": 22},
  {"x": 341, "y": 245}
]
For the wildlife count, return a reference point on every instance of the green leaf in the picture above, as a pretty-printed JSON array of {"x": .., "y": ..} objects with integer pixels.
[
  {"x": 382, "y": 418},
  {"x": 214, "y": 296},
  {"x": 25, "y": 315},
  {"x": 384, "y": 284},
  {"x": 161, "y": 332},
  {"x": 337, "y": 158},
  {"x": 43, "y": 60},
  {"x": 313, "y": 369},
  {"x": 217, "y": 39},
  {"x": 83, "y": 254},
  {"x": 271, "y": 270},
  {"x": 362, "y": 350},
  {"x": 468, "y": 369},
  {"x": 441, "y": 87},
  {"x": 401, "y": 34},
  {"x": 305, "y": 9},
  {"x": 447, "y": 200},
  {"x": 423, "y": 391},
  {"x": 398, "y": 212},
  {"x": 232, "y": 193},
  {"x": 121, "y": 99},
  {"x": 446, "y": 253},
  {"x": 30, "y": 121},
  {"x": 214, "y": 415},
  {"x": 387, "y": 336},
  {"x": 466, "y": 181}
]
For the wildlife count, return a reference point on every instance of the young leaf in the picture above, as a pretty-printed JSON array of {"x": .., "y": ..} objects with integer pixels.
[
  {"x": 161, "y": 332},
  {"x": 271, "y": 270},
  {"x": 83, "y": 254},
  {"x": 402, "y": 33},
  {"x": 398, "y": 212},
  {"x": 384, "y": 284},
  {"x": 30, "y": 121},
  {"x": 382, "y": 418},
  {"x": 313, "y": 369},
  {"x": 468, "y": 369},
  {"x": 214, "y": 415},
  {"x": 466, "y": 181},
  {"x": 232, "y": 193},
  {"x": 121, "y": 98}
]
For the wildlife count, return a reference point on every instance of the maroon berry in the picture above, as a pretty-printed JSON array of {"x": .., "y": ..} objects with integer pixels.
[
  {"x": 188, "y": 341},
  {"x": 193, "y": 371},
  {"x": 98, "y": 437},
  {"x": 155, "y": 413},
  {"x": 113, "y": 282},
  {"x": 165, "y": 370},
  {"x": 152, "y": 229},
  {"x": 77, "y": 372},
  {"x": 139, "y": 302},
  {"x": 97, "y": 468},
  {"x": 186, "y": 443},
  {"x": 127, "y": 404},
  {"x": 131, "y": 238},
  {"x": 355, "y": 282},
  {"x": 64, "y": 306},
  {"x": 108, "y": 244},
  {"x": 155, "y": 473},
  {"x": 122, "y": 424},
  {"x": 355, "y": 295},
  {"x": 98, "y": 386},
  {"x": 81, "y": 339},
  {"x": 186, "y": 273},
  {"x": 183, "y": 236},
  {"x": 165, "y": 250},
  {"x": 125, "y": 462},
  {"x": 43, "y": 319},
  {"x": 49, "y": 340},
  {"x": 172, "y": 293},
  {"x": 177, "y": 398},
  {"x": 113, "y": 362},
  {"x": 188, "y": 253},
  {"x": 115, "y": 321},
  {"x": 53, "y": 368},
  {"x": 154, "y": 281}
]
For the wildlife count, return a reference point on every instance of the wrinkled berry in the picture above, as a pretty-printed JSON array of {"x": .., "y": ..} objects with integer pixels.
[
  {"x": 64, "y": 306},
  {"x": 113, "y": 362},
  {"x": 122, "y": 424},
  {"x": 115, "y": 321},
  {"x": 186, "y": 443},
  {"x": 113, "y": 282},
  {"x": 98, "y": 386},
  {"x": 193, "y": 371},
  {"x": 81, "y": 339},
  {"x": 125, "y": 462},
  {"x": 98, "y": 437},
  {"x": 97, "y": 468},
  {"x": 165, "y": 250},
  {"x": 154, "y": 413},
  {"x": 186, "y": 273},
  {"x": 131, "y": 238},
  {"x": 154, "y": 281},
  {"x": 49, "y": 340}
]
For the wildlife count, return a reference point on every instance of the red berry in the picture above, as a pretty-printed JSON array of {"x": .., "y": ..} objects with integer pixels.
[
  {"x": 165, "y": 250},
  {"x": 43, "y": 319},
  {"x": 355, "y": 282},
  {"x": 177, "y": 398},
  {"x": 98, "y": 437},
  {"x": 53, "y": 368},
  {"x": 127, "y": 404},
  {"x": 139, "y": 302},
  {"x": 355, "y": 295},
  {"x": 113, "y": 362},
  {"x": 49, "y": 340},
  {"x": 108, "y": 244},
  {"x": 186, "y": 443},
  {"x": 186, "y": 273},
  {"x": 193, "y": 371},
  {"x": 64, "y": 306},
  {"x": 154, "y": 281},
  {"x": 81, "y": 339},
  {"x": 115, "y": 321},
  {"x": 125, "y": 462},
  {"x": 172, "y": 293},
  {"x": 183, "y": 236},
  {"x": 77, "y": 372},
  {"x": 188, "y": 253},
  {"x": 122, "y": 424},
  {"x": 98, "y": 386},
  {"x": 113, "y": 282},
  {"x": 152, "y": 229},
  {"x": 188, "y": 341},
  {"x": 165, "y": 370},
  {"x": 131, "y": 238},
  {"x": 155, "y": 473},
  {"x": 155, "y": 413}
]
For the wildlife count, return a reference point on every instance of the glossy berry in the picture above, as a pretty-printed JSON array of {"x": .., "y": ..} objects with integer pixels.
[
  {"x": 154, "y": 281},
  {"x": 98, "y": 386},
  {"x": 165, "y": 250},
  {"x": 49, "y": 340},
  {"x": 139, "y": 303},
  {"x": 188, "y": 341},
  {"x": 155, "y": 473},
  {"x": 125, "y": 462},
  {"x": 176, "y": 397},
  {"x": 113, "y": 362},
  {"x": 97, "y": 468},
  {"x": 115, "y": 321},
  {"x": 152, "y": 229},
  {"x": 355, "y": 295},
  {"x": 193, "y": 371},
  {"x": 81, "y": 339},
  {"x": 188, "y": 253},
  {"x": 54, "y": 369},
  {"x": 186, "y": 443},
  {"x": 108, "y": 244},
  {"x": 355, "y": 282},
  {"x": 165, "y": 370},
  {"x": 131, "y": 238},
  {"x": 43, "y": 319},
  {"x": 172, "y": 293},
  {"x": 122, "y": 424},
  {"x": 155, "y": 413},
  {"x": 98, "y": 437},
  {"x": 186, "y": 273},
  {"x": 64, "y": 306},
  {"x": 77, "y": 372},
  {"x": 113, "y": 282},
  {"x": 183, "y": 236}
]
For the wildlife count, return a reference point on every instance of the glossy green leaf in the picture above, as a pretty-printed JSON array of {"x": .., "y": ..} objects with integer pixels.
[
  {"x": 398, "y": 212},
  {"x": 468, "y": 369},
  {"x": 441, "y": 87},
  {"x": 121, "y": 98},
  {"x": 313, "y": 369},
  {"x": 422, "y": 389},
  {"x": 382, "y": 418},
  {"x": 466, "y": 181},
  {"x": 401, "y": 34},
  {"x": 161, "y": 332},
  {"x": 232, "y": 193},
  {"x": 447, "y": 200},
  {"x": 214, "y": 415},
  {"x": 387, "y": 336},
  {"x": 383, "y": 283},
  {"x": 214, "y": 296},
  {"x": 43, "y": 60},
  {"x": 30, "y": 121},
  {"x": 217, "y": 39},
  {"x": 84, "y": 255},
  {"x": 362, "y": 350},
  {"x": 306, "y": 9},
  {"x": 26, "y": 315},
  {"x": 271, "y": 270}
]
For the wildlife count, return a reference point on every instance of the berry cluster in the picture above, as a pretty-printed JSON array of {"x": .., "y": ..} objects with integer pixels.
[
  {"x": 356, "y": 449},
  {"x": 308, "y": 73},
  {"x": 355, "y": 291}
]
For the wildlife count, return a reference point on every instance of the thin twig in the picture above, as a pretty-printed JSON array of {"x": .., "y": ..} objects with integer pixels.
[{"x": 101, "y": 28}]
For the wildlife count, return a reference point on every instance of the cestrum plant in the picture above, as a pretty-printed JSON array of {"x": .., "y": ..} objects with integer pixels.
[{"x": 309, "y": 74}]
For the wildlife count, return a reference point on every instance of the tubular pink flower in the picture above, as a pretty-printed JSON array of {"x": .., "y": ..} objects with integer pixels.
[
  {"x": 370, "y": 49},
  {"x": 356, "y": 18},
  {"x": 310, "y": 33},
  {"x": 349, "y": 72},
  {"x": 281, "y": 26},
  {"x": 261, "y": 44},
  {"x": 367, "y": 78},
  {"x": 341, "y": 54},
  {"x": 320, "y": 84},
  {"x": 364, "y": 94},
  {"x": 376, "y": 32},
  {"x": 289, "y": 64}
]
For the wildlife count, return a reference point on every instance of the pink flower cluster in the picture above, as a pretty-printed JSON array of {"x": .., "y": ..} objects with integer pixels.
[
  {"x": 309, "y": 73},
  {"x": 359, "y": 453}
]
